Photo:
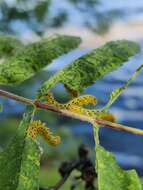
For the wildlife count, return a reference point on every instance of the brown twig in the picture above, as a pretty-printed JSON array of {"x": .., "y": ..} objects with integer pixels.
[
  {"x": 119, "y": 127},
  {"x": 16, "y": 97},
  {"x": 70, "y": 114}
]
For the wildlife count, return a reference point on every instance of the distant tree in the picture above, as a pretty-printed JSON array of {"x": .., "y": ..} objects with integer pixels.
[{"x": 38, "y": 15}]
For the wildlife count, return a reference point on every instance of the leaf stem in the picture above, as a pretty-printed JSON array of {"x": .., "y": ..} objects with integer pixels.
[
  {"x": 70, "y": 114},
  {"x": 117, "y": 92}
]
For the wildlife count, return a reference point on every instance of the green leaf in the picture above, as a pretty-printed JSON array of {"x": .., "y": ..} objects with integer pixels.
[
  {"x": 28, "y": 60},
  {"x": 117, "y": 92},
  {"x": 8, "y": 45},
  {"x": 111, "y": 176},
  {"x": 20, "y": 161},
  {"x": 84, "y": 71}
]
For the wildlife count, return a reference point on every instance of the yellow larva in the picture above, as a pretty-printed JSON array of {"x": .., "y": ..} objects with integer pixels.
[
  {"x": 93, "y": 113},
  {"x": 80, "y": 101},
  {"x": 36, "y": 128},
  {"x": 83, "y": 100},
  {"x": 75, "y": 105},
  {"x": 51, "y": 100}
]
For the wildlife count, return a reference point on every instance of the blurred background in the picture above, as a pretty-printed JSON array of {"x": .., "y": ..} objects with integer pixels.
[{"x": 96, "y": 22}]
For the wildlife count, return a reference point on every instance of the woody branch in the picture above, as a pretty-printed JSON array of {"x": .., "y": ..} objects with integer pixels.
[{"x": 67, "y": 113}]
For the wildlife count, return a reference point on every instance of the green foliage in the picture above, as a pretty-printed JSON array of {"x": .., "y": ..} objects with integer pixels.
[
  {"x": 31, "y": 58},
  {"x": 111, "y": 176},
  {"x": 39, "y": 17},
  {"x": 8, "y": 45},
  {"x": 84, "y": 71},
  {"x": 19, "y": 162}
]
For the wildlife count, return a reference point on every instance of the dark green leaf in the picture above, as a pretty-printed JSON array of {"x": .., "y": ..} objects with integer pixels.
[
  {"x": 8, "y": 45},
  {"x": 84, "y": 71},
  {"x": 20, "y": 162},
  {"x": 33, "y": 57}
]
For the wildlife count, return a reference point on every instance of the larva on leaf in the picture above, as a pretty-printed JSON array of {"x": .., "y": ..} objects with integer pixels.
[{"x": 36, "y": 128}]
